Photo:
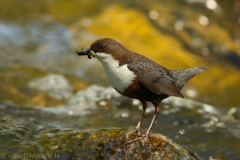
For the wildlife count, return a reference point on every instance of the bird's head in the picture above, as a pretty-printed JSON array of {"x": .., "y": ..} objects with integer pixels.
[{"x": 103, "y": 48}]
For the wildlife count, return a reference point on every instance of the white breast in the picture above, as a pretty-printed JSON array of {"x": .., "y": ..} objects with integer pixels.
[{"x": 120, "y": 76}]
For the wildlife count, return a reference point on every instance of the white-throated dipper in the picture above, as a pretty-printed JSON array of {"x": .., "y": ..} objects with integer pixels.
[{"x": 136, "y": 76}]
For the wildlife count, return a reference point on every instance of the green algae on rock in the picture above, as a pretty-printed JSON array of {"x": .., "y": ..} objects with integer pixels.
[{"x": 21, "y": 139}]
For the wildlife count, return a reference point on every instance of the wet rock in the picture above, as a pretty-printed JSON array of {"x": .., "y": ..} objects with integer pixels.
[
  {"x": 57, "y": 86},
  {"x": 85, "y": 101},
  {"x": 201, "y": 108},
  {"x": 93, "y": 96},
  {"x": 24, "y": 140},
  {"x": 235, "y": 112}
]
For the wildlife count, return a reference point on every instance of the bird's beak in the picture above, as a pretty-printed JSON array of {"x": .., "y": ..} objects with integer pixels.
[{"x": 84, "y": 52}]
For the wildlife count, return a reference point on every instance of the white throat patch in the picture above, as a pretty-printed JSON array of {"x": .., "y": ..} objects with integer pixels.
[{"x": 120, "y": 76}]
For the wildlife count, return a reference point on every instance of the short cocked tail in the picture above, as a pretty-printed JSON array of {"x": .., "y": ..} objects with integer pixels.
[{"x": 183, "y": 75}]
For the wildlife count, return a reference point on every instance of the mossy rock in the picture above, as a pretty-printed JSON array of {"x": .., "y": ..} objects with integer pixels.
[{"x": 26, "y": 140}]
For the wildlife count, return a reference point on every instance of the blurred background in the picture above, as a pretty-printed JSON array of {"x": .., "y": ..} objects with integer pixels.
[{"x": 39, "y": 38}]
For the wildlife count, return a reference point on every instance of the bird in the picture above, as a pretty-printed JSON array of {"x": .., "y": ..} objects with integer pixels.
[{"x": 138, "y": 77}]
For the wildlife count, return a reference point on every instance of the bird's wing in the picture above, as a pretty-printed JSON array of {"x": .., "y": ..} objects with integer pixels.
[{"x": 154, "y": 77}]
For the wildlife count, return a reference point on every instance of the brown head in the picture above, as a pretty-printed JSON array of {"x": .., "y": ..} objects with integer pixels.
[{"x": 107, "y": 46}]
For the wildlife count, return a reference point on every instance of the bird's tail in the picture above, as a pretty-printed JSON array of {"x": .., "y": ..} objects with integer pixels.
[{"x": 183, "y": 75}]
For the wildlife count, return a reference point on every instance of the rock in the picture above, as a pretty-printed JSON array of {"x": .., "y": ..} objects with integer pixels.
[
  {"x": 201, "y": 108},
  {"x": 56, "y": 85},
  {"x": 235, "y": 112},
  {"x": 88, "y": 98},
  {"x": 24, "y": 140}
]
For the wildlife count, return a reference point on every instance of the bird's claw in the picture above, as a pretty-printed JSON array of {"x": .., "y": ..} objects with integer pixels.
[
  {"x": 140, "y": 136},
  {"x": 143, "y": 136}
]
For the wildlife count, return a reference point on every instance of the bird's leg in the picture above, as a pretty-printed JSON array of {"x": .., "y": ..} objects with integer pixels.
[
  {"x": 144, "y": 106},
  {"x": 138, "y": 127},
  {"x": 146, "y": 135},
  {"x": 157, "y": 110}
]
